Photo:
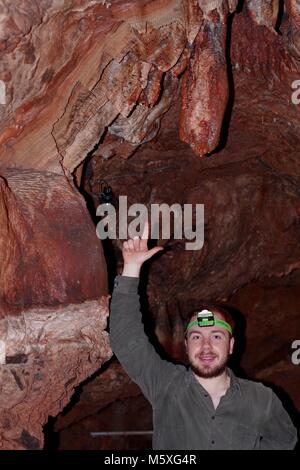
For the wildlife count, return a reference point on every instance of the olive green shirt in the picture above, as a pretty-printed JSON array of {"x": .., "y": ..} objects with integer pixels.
[{"x": 249, "y": 415}]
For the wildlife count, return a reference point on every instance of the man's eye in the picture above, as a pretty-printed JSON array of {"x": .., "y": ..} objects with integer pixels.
[
  {"x": 195, "y": 337},
  {"x": 217, "y": 337}
]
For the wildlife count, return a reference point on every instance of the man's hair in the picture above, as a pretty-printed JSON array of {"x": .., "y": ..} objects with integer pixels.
[{"x": 215, "y": 309}]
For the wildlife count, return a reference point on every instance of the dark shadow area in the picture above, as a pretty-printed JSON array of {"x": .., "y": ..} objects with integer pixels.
[
  {"x": 52, "y": 441},
  {"x": 110, "y": 255},
  {"x": 148, "y": 317},
  {"x": 51, "y": 438},
  {"x": 92, "y": 202},
  {"x": 240, "y": 6},
  {"x": 240, "y": 341},
  {"x": 280, "y": 17}
]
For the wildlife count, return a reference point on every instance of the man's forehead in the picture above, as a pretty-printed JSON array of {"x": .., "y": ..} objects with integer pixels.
[{"x": 208, "y": 329}]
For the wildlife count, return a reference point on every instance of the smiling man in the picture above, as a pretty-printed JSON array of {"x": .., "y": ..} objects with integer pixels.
[
  {"x": 209, "y": 343},
  {"x": 204, "y": 406}
]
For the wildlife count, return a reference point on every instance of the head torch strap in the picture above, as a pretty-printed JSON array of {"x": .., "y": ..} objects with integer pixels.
[
  {"x": 224, "y": 324},
  {"x": 216, "y": 322}
]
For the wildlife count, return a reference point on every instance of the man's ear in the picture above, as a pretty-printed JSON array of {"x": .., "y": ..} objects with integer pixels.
[
  {"x": 231, "y": 344},
  {"x": 185, "y": 345}
]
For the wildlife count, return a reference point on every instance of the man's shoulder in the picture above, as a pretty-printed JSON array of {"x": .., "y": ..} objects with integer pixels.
[
  {"x": 255, "y": 388},
  {"x": 173, "y": 374},
  {"x": 179, "y": 371}
]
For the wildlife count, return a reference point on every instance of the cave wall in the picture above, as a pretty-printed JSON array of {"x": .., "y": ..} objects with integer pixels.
[{"x": 53, "y": 280}]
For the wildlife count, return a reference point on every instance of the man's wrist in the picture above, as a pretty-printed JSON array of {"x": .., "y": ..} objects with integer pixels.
[
  {"x": 126, "y": 284},
  {"x": 131, "y": 270}
]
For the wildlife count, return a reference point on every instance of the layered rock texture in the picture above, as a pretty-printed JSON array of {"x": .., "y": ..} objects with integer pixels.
[
  {"x": 53, "y": 303},
  {"x": 169, "y": 101}
]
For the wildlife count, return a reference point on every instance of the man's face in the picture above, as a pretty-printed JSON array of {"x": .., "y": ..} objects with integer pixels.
[{"x": 208, "y": 349}]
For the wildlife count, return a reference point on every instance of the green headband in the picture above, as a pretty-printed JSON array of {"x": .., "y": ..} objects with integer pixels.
[{"x": 207, "y": 318}]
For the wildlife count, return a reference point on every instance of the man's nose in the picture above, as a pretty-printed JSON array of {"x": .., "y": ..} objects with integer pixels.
[{"x": 206, "y": 342}]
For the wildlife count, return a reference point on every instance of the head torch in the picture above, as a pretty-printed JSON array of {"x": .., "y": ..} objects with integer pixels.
[{"x": 207, "y": 318}]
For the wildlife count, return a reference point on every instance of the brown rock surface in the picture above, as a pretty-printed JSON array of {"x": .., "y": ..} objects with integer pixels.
[
  {"x": 45, "y": 230},
  {"x": 129, "y": 415},
  {"x": 51, "y": 331},
  {"x": 204, "y": 88},
  {"x": 107, "y": 386},
  {"x": 48, "y": 352},
  {"x": 109, "y": 403}
]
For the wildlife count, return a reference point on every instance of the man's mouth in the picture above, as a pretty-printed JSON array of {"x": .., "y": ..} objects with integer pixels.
[{"x": 207, "y": 358}]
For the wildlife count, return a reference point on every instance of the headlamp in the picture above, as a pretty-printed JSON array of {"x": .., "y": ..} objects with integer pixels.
[{"x": 207, "y": 318}]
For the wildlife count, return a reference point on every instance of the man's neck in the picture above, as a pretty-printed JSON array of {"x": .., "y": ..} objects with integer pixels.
[{"x": 217, "y": 385}]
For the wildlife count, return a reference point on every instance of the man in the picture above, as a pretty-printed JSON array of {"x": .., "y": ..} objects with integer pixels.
[{"x": 205, "y": 406}]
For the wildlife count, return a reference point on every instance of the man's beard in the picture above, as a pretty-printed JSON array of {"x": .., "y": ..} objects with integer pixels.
[{"x": 209, "y": 372}]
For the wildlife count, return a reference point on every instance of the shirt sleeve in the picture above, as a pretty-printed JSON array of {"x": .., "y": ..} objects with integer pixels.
[
  {"x": 131, "y": 345},
  {"x": 278, "y": 431}
]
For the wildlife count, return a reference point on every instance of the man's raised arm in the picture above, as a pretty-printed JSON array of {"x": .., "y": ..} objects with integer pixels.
[{"x": 127, "y": 337}]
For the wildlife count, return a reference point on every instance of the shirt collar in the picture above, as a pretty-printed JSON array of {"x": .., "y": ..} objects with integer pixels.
[{"x": 235, "y": 385}]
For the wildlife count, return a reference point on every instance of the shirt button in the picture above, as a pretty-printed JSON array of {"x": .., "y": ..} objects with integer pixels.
[
  {"x": 213, "y": 417},
  {"x": 205, "y": 394},
  {"x": 212, "y": 442}
]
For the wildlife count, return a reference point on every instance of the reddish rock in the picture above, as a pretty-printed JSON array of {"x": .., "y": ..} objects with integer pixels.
[
  {"x": 51, "y": 330},
  {"x": 51, "y": 253},
  {"x": 48, "y": 352},
  {"x": 205, "y": 89},
  {"x": 271, "y": 308},
  {"x": 66, "y": 94}
]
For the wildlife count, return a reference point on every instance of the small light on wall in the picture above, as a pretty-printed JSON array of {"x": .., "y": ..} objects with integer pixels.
[
  {"x": 107, "y": 196},
  {"x": 106, "y": 227}
]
